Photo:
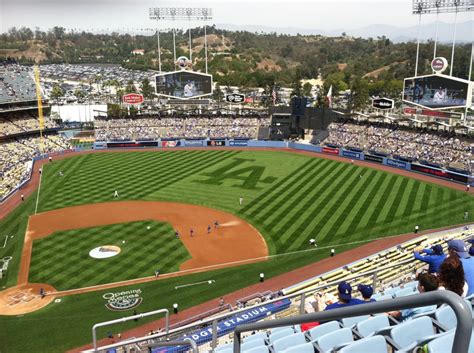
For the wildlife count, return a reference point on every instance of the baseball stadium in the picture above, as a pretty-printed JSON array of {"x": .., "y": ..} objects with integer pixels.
[{"x": 181, "y": 221}]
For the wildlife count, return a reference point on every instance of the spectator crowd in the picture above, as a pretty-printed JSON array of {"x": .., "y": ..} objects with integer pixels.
[
  {"x": 184, "y": 127},
  {"x": 439, "y": 147},
  {"x": 19, "y": 122},
  {"x": 16, "y": 156}
]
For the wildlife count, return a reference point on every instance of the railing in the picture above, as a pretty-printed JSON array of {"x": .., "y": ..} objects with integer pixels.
[
  {"x": 461, "y": 309},
  {"x": 125, "y": 319},
  {"x": 186, "y": 342},
  {"x": 301, "y": 295}
]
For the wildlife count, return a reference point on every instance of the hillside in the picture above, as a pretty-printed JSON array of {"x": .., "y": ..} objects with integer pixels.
[{"x": 236, "y": 57}]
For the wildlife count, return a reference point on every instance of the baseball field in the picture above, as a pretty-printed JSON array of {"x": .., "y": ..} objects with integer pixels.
[{"x": 286, "y": 199}]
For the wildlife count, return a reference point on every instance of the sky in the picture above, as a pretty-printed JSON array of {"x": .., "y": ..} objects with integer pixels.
[{"x": 132, "y": 15}]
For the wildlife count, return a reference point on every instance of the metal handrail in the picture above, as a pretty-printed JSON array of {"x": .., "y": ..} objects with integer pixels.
[
  {"x": 185, "y": 342},
  {"x": 125, "y": 319},
  {"x": 461, "y": 309}
]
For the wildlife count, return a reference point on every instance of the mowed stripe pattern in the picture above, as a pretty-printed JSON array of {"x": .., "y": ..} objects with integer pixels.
[
  {"x": 332, "y": 202},
  {"x": 63, "y": 260}
]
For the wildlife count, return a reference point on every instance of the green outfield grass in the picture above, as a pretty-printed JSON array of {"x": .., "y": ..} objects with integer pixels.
[
  {"x": 62, "y": 259},
  {"x": 289, "y": 198}
]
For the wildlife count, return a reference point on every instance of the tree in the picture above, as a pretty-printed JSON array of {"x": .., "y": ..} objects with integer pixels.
[
  {"x": 217, "y": 94},
  {"x": 56, "y": 92},
  {"x": 130, "y": 88},
  {"x": 359, "y": 93},
  {"x": 147, "y": 89},
  {"x": 307, "y": 88}
]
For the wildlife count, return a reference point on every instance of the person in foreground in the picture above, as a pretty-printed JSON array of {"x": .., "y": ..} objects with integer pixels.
[{"x": 427, "y": 282}]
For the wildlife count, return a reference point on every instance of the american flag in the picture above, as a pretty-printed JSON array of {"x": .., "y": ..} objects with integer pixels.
[
  {"x": 329, "y": 97},
  {"x": 274, "y": 95}
]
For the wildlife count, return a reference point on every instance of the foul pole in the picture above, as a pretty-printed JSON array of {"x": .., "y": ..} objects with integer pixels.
[{"x": 40, "y": 107}]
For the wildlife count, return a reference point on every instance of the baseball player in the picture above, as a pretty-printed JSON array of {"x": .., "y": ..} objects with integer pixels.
[
  {"x": 209, "y": 229},
  {"x": 176, "y": 234},
  {"x": 116, "y": 194},
  {"x": 191, "y": 232},
  {"x": 216, "y": 224},
  {"x": 241, "y": 201}
]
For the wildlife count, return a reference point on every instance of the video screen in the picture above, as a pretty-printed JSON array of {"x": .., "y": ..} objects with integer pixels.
[
  {"x": 184, "y": 85},
  {"x": 435, "y": 92}
]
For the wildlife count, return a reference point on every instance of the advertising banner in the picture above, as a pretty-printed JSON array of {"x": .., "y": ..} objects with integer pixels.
[
  {"x": 396, "y": 163},
  {"x": 132, "y": 144},
  {"x": 132, "y": 98},
  {"x": 225, "y": 326},
  {"x": 216, "y": 143},
  {"x": 194, "y": 143},
  {"x": 440, "y": 173},
  {"x": 239, "y": 143},
  {"x": 383, "y": 103},
  {"x": 371, "y": 158},
  {"x": 165, "y": 144},
  {"x": 235, "y": 98},
  {"x": 330, "y": 150},
  {"x": 351, "y": 154}
]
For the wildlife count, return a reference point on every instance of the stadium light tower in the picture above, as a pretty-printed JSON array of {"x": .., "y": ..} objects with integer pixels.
[
  {"x": 181, "y": 13},
  {"x": 423, "y": 7}
]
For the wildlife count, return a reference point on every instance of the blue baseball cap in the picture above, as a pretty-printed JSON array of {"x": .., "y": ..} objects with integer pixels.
[
  {"x": 365, "y": 290},
  {"x": 437, "y": 249},
  {"x": 459, "y": 247},
  {"x": 344, "y": 290}
]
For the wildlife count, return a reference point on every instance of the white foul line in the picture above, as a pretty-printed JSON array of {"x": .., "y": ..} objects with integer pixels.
[
  {"x": 39, "y": 189},
  {"x": 5, "y": 244}
]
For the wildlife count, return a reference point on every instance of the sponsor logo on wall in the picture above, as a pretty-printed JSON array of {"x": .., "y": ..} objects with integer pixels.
[
  {"x": 370, "y": 158},
  {"x": 238, "y": 143},
  {"x": 125, "y": 300},
  {"x": 351, "y": 154},
  {"x": 330, "y": 150},
  {"x": 216, "y": 143},
  {"x": 396, "y": 163}
]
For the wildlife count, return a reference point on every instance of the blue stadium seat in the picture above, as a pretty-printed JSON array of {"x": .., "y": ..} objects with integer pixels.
[
  {"x": 384, "y": 297},
  {"x": 301, "y": 348},
  {"x": 446, "y": 317},
  {"x": 255, "y": 337},
  {"x": 412, "y": 284},
  {"x": 282, "y": 333},
  {"x": 351, "y": 321},
  {"x": 224, "y": 348},
  {"x": 289, "y": 341},
  {"x": 442, "y": 344},
  {"x": 391, "y": 291},
  {"x": 260, "y": 349},
  {"x": 368, "y": 327},
  {"x": 404, "y": 292},
  {"x": 375, "y": 344},
  {"x": 408, "y": 334},
  {"x": 253, "y": 343},
  {"x": 321, "y": 330},
  {"x": 331, "y": 340},
  {"x": 277, "y": 329}
]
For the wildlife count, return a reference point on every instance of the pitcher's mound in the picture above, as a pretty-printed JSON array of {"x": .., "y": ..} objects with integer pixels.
[
  {"x": 104, "y": 252},
  {"x": 25, "y": 299}
]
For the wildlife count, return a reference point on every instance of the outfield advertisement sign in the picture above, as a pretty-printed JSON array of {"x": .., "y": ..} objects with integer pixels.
[
  {"x": 173, "y": 143},
  {"x": 132, "y": 144},
  {"x": 225, "y": 326},
  {"x": 121, "y": 301},
  {"x": 216, "y": 143},
  {"x": 330, "y": 150},
  {"x": 238, "y": 143},
  {"x": 371, "y": 158},
  {"x": 440, "y": 173},
  {"x": 194, "y": 143},
  {"x": 351, "y": 154},
  {"x": 396, "y": 163}
]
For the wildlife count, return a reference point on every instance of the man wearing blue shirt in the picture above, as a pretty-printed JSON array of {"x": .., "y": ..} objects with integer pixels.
[
  {"x": 345, "y": 298},
  {"x": 434, "y": 257}
]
